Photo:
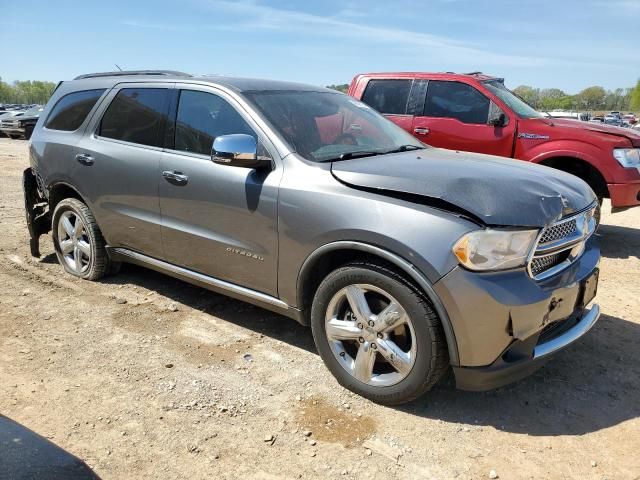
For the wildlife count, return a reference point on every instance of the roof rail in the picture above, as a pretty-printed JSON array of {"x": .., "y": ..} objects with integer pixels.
[
  {"x": 473, "y": 73},
  {"x": 133, "y": 72}
]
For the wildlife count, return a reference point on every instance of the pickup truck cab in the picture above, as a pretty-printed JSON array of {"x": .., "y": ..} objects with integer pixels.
[{"x": 477, "y": 113}]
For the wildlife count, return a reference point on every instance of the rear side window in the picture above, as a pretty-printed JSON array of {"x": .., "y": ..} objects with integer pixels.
[
  {"x": 201, "y": 118},
  {"x": 71, "y": 110},
  {"x": 388, "y": 96},
  {"x": 136, "y": 115},
  {"x": 456, "y": 100}
]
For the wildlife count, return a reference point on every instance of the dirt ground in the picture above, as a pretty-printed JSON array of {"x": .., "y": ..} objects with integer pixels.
[{"x": 146, "y": 377}]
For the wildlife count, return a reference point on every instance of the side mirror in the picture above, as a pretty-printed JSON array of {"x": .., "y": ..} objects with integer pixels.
[
  {"x": 498, "y": 120},
  {"x": 238, "y": 150}
]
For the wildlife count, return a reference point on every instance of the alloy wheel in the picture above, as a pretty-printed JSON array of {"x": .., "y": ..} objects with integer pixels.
[
  {"x": 371, "y": 335},
  {"x": 73, "y": 242}
]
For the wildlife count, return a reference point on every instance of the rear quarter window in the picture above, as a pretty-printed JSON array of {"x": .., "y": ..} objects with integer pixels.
[
  {"x": 71, "y": 110},
  {"x": 388, "y": 96}
]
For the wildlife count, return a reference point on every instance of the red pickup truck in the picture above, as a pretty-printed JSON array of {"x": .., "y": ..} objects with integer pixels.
[{"x": 477, "y": 113}]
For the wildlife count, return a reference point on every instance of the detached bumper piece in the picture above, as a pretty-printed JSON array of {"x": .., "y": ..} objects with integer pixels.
[
  {"x": 37, "y": 211},
  {"x": 523, "y": 358}
]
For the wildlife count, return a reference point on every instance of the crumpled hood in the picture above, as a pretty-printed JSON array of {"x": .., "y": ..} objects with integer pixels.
[
  {"x": 495, "y": 190},
  {"x": 630, "y": 134}
]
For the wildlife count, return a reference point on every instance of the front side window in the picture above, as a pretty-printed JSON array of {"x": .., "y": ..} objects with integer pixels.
[
  {"x": 136, "y": 115},
  {"x": 71, "y": 110},
  {"x": 388, "y": 96},
  {"x": 202, "y": 117},
  {"x": 456, "y": 100},
  {"x": 327, "y": 126}
]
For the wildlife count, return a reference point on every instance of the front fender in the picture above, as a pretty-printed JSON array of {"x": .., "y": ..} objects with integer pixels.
[
  {"x": 572, "y": 149},
  {"x": 401, "y": 263}
]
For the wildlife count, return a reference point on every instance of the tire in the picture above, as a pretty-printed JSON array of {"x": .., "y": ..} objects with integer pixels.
[
  {"x": 27, "y": 134},
  {"x": 341, "y": 337},
  {"x": 14, "y": 137},
  {"x": 84, "y": 241}
]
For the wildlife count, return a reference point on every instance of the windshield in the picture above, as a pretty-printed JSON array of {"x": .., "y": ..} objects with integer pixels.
[
  {"x": 325, "y": 126},
  {"x": 522, "y": 109}
]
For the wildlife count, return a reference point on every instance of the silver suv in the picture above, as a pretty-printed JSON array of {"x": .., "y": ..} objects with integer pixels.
[{"x": 404, "y": 259}]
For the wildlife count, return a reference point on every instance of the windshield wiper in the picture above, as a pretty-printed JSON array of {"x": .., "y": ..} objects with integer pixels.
[
  {"x": 352, "y": 155},
  {"x": 404, "y": 148}
]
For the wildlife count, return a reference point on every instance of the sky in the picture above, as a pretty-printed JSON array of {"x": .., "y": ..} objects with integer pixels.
[{"x": 568, "y": 44}]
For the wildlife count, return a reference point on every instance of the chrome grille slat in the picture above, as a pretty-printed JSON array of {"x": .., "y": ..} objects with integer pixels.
[
  {"x": 560, "y": 244},
  {"x": 559, "y": 231}
]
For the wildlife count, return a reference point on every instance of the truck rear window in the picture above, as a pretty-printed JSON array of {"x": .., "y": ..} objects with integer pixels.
[{"x": 388, "y": 96}]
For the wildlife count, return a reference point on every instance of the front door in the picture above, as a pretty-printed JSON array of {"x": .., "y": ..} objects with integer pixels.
[
  {"x": 217, "y": 220},
  {"x": 455, "y": 116}
]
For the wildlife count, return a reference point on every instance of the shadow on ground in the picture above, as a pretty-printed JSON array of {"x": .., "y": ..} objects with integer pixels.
[
  {"x": 619, "y": 242},
  {"x": 26, "y": 455},
  {"x": 590, "y": 386}
]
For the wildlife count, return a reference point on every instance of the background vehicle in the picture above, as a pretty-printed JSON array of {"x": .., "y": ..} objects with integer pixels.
[
  {"x": 303, "y": 201},
  {"x": 614, "y": 120},
  {"x": 477, "y": 113},
  {"x": 22, "y": 124},
  {"x": 582, "y": 116}
]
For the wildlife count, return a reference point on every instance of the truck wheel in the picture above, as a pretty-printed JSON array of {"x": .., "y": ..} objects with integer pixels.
[
  {"x": 78, "y": 241},
  {"x": 377, "y": 334},
  {"x": 27, "y": 134}
]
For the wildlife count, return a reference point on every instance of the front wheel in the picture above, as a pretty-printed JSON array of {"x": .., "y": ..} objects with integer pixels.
[{"x": 378, "y": 334}]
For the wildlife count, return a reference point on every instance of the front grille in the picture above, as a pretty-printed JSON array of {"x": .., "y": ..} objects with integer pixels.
[
  {"x": 559, "y": 231},
  {"x": 560, "y": 244},
  {"x": 542, "y": 264}
]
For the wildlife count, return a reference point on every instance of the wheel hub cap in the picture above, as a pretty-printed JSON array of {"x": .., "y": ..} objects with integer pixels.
[
  {"x": 73, "y": 242},
  {"x": 371, "y": 335}
]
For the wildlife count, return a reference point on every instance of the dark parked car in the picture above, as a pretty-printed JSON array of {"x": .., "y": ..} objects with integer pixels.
[
  {"x": 21, "y": 125},
  {"x": 404, "y": 259}
]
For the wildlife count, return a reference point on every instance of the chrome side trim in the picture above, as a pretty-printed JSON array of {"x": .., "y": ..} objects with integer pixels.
[
  {"x": 199, "y": 277},
  {"x": 570, "y": 336}
]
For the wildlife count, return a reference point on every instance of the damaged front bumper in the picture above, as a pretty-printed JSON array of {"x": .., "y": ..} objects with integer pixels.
[{"x": 507, "y": 325}]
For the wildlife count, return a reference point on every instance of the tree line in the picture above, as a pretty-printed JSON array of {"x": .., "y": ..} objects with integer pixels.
[
  {"x": 593, "y": 98},
  {"x": 27, "y": 92}
]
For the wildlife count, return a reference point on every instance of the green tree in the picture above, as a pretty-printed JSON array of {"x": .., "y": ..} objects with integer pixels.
[
  {"x": 634, "y": 98},
  {"x": 592, "y": 98},
  {"x": 528, "y": 94},
  {"x": 26, "y": 92},
  {"x": 344, "y": 87}
]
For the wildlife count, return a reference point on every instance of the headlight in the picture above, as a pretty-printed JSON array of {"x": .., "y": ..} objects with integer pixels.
[
  {"x": 627, "y": 157},
  {"x": 495, "y": 249}
]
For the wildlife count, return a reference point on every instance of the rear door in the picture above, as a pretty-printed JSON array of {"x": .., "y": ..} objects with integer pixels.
[
  {"x": 218, "y": 220},
  {"x": 455, "y": 116},
  {"x": 118, "y": 164}
]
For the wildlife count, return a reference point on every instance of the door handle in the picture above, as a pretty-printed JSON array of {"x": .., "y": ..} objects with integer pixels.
[
  {"x": 421, "y": 130},
  {"x": 176, "y": 178},
  {"x": 85, "y": 159}
]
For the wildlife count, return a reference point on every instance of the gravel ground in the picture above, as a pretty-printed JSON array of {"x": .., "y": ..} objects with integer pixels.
[{"x": 146, "y": 377}]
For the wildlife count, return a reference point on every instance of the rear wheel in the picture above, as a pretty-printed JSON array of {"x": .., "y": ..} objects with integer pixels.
[
  {"x": 377, "y": 333},
  {"x": 78, "y": 242}
]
